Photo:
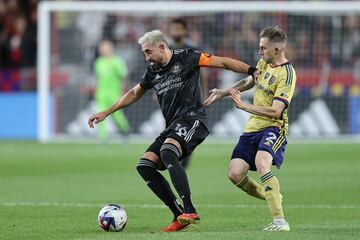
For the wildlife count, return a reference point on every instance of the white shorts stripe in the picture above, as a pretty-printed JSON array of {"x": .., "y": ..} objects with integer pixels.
[{"x": 191, "y": 131}]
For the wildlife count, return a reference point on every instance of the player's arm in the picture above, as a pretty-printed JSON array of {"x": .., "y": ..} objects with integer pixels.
[
  {"x": 207, "y": 60},
  {"x": 217, "y": 94},
  {"x": 130, "y": 97},
  {"x": 204, "y": 82},
  {"x": 275, "y": 111}
]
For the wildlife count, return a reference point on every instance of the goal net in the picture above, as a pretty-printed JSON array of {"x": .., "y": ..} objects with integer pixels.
[{"x": 323, "y": 46}]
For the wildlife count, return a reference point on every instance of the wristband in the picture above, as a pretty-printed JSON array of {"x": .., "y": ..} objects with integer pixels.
[{"x": 251, "y": 70}]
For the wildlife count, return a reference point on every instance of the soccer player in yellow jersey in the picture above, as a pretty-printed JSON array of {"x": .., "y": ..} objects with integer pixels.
[{"x": 264, "y": 139}]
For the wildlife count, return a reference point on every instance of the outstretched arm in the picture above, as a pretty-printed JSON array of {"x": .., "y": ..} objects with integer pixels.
[
  {"x": 130, "y": 97},
  {"x": 275, "y": 111},
  {"x": 217, "y": 94},
  {"x": 226, "y": 63}
]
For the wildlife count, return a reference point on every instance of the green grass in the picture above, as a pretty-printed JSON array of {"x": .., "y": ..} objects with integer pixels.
[{"x": 41, "y": 187}]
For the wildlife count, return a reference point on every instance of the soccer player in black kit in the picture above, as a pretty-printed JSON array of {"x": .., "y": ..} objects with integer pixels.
[{"x": 174, "y": 77}]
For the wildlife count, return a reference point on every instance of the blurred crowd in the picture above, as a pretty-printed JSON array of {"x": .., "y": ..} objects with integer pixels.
[
  {"x": 18, "y": 29},
  {"x": 325, "y": 49},
  {"x": 18, "y": 22}
]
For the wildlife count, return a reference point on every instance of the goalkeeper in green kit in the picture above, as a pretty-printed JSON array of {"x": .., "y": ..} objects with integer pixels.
[{"x": 110, "y": 71}]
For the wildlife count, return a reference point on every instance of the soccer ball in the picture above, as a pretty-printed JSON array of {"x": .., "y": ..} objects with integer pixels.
[{"x": 112, "y": 218}]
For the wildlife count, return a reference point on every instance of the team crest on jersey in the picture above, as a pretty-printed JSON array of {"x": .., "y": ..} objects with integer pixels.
[
  {"x": 176, "y": 68},
  {"x": 284, "y": 95},
  {"x": 272, "y": 80},
  {"x": 266, "y": 75}
]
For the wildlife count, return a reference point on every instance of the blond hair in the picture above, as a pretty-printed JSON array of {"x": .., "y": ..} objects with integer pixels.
[
  {"x": 274, "y": 34},
  {"x": 155, "y": 36}
]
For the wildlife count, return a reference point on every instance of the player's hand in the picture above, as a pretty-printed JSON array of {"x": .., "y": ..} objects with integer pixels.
[
  {"x": 256, "y": 75},
  {"x": 96, "y": 118},
  {"x": 215, "y": 95},
  {"x": 235, "y": 96}
]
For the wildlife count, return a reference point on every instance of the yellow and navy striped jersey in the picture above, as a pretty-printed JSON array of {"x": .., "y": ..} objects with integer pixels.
[{"x": 274, "y": 83}]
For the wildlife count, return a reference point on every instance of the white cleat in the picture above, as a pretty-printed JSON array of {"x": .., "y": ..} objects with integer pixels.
[{"x": 277, "y": 227}]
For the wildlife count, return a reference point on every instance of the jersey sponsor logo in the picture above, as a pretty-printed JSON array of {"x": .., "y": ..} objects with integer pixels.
[
  {"x": 265, "y": 90},
  {"x": 272, "y": 80},
  {"x": 266, "y": 75},
  {"x": 167, "y": 85},
  {"x": 176, "y": 68}
]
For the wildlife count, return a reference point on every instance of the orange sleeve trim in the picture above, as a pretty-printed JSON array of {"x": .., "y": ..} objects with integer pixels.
[{"x": 205, "y": 60}]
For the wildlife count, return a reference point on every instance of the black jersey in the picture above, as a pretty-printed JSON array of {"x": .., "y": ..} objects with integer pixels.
[{"x": 177, "y": 86}]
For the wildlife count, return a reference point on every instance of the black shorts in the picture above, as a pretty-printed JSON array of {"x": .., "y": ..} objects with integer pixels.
[{"x": 189, "y": 132}]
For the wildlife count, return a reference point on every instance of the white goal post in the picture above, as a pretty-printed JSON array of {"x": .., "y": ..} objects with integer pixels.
[{"x": 158, "y": 8}]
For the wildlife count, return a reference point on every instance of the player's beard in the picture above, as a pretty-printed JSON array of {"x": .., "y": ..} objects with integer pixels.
[
  {"x": 268, "y": 60},
  {"x": 155, "y": 65}
]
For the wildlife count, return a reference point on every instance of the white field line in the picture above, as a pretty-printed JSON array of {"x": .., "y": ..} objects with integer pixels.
[{"x": 58, "y": 204}]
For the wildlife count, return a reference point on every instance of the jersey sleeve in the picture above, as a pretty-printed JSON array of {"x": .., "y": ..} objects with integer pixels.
[
  {"x": 146, "y": 80},
  {"x": 286, "y": 86},
  {"x": 193, "y": 57}
]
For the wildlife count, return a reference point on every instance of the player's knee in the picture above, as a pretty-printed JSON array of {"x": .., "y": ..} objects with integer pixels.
[
  {"x": 145, "y": 165},
  {"x": 175, "y": 143},
  {"x": 262, "y": 166},
  {"x": 169, "y": 153},
  {"x": 234, "y": 175}
]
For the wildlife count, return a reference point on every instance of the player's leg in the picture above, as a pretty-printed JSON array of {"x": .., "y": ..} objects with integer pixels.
[
  {"x": 243, "y": 160},
  {"x": 184, "y": 137},
  {"x": 238, "y": 169},
  {"x": 170, "y": 153},
  {"x": 185, "y": 161},
  {"x": 102, "y": 104},
  {"x": 121, "y": 121},
  {"x": 159, "y": 185},
  {"x": 270, "y": 152},
  {"x": 148, "y": 169},
  {"x": 120, "y": 118}
]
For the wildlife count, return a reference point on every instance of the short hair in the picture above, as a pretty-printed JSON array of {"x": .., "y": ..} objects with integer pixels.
[
  {"x": 155, "y": 36},
  {"x": 180, "y": 21},
  {"x": 274, "y": 34}
]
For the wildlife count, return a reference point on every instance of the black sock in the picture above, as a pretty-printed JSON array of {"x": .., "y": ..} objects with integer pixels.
[
  {"x": 169, "y": 155},
  {"x": 185, "y": 162},
  {"x": 158, "y": 184}
]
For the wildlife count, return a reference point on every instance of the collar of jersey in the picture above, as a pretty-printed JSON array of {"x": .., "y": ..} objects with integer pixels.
[
  {"x": 280, "y": 65},
  {"x": 172, "y": 56}
]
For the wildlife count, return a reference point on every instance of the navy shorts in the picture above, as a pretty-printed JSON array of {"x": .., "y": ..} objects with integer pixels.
[{"x": 271, "y": 140}]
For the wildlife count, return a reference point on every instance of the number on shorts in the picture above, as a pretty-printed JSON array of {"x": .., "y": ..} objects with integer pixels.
[{"x": 272, "y": 137}]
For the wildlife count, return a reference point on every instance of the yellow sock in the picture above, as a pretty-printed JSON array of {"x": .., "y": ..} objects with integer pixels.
[
  {"x": 252, "y": 188},
  {"x": 272, "y": 194}
]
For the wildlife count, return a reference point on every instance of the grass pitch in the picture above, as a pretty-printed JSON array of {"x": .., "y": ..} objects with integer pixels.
[{"x": 55, "y": 191}]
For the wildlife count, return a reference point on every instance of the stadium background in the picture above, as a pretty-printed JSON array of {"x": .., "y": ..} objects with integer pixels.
[
  {"x": 324, "y": 48},
  {"x": 53, "y": 191}
]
